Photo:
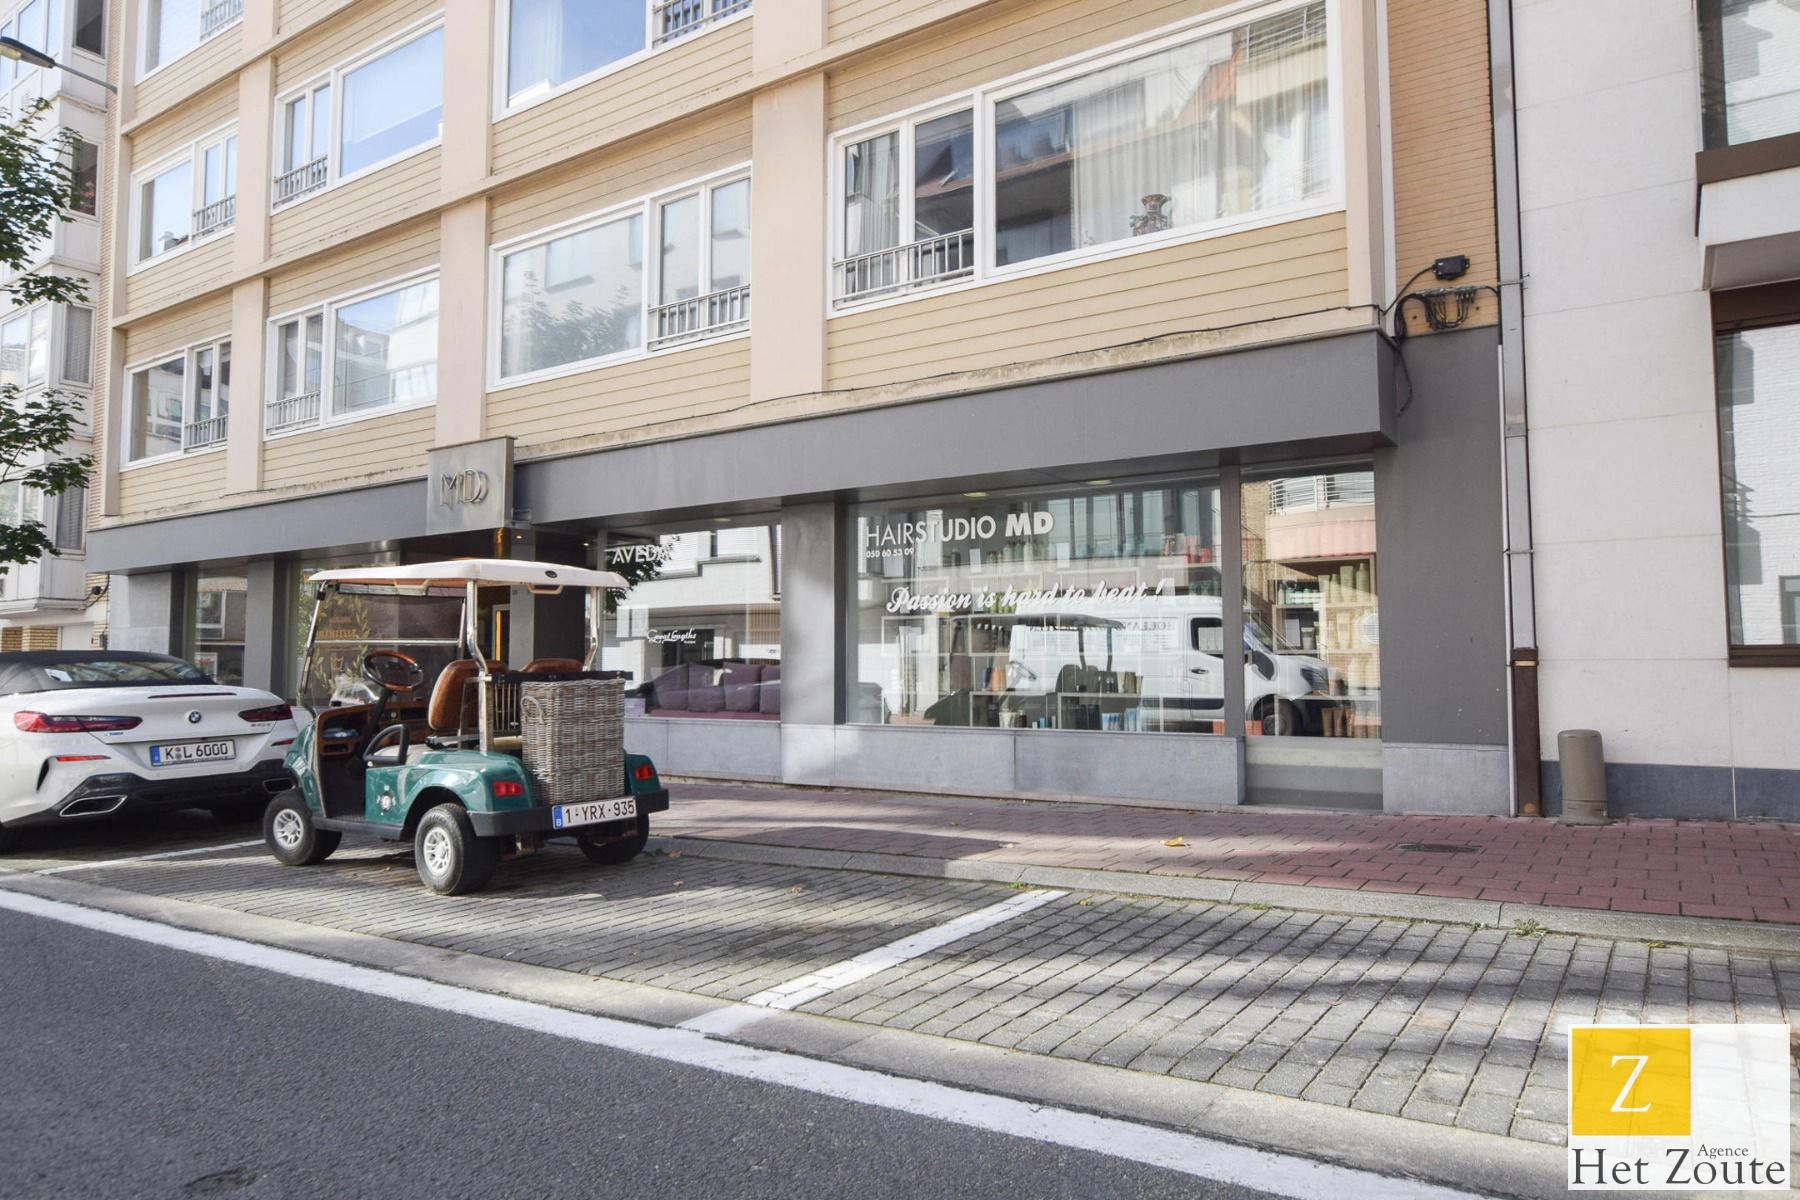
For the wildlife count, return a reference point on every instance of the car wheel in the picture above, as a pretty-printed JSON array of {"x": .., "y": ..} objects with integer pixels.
[
  {"x": 614, "y": 852},
  {"x": 1281, "y": 719},
  {"x": 292, "y": 837},
  {"x": 241, "y": 812},
  {"x": 9, "y": 839},
  {"x": 450, "y": 858}
]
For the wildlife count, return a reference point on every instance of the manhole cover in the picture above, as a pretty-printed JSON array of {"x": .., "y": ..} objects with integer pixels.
[{"x": 1436, "y": 848}]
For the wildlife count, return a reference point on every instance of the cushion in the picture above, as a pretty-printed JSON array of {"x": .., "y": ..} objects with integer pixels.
[
  {"x": 670, "y": 689},
  {"x": 741, "y": 681},
  {"x": 769, "y": 698},
  {"x": 705, "y": 693}
]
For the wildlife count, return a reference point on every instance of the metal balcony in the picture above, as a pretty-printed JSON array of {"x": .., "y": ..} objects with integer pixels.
[
  {"x": 215, "y": 17},
  {"x": 677, "y": 18},
  {"x": 920, "y": 264},
  {"x": 308, "y": 177},
  {"x": 702, "y": 316},
  {"x": 291, "y": 412},
  {"x": 216, "y": 216},
  {"x": 209, "y": 432}
]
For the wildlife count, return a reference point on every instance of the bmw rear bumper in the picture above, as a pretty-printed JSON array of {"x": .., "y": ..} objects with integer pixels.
[{"x": 124, "y": 793}]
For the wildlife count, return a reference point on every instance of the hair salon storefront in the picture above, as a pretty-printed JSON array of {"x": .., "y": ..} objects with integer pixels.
[{"x": 1264, "y": 576}]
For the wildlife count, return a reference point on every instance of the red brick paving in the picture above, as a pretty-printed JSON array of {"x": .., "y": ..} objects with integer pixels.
[{"x": 1742, "y": 871}]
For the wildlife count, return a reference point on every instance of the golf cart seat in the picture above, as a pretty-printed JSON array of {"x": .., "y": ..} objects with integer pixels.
[
  {"x": 388, "y": 756},
  {"x": 453, "y": 713},
  {"x": 552, "y": 665}
]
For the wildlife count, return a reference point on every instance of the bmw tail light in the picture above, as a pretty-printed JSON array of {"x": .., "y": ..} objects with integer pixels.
[
  {"x": 506, "y": 789},
  {"x": 37, "y": 722},
  {"x": 644, "y": 773},
  {"x": 274, "y": 712}
]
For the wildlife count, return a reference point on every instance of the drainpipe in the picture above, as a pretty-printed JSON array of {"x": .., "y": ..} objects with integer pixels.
[{"x": 1521, "y": 600}]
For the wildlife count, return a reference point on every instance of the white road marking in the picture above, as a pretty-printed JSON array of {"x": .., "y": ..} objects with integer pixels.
[
  {"x": 120, "y": 862},
  {"x": 1189, "y": 1154}
]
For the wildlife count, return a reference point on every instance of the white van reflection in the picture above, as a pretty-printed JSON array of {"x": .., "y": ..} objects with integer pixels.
[{"x": 1158, "y": 668}]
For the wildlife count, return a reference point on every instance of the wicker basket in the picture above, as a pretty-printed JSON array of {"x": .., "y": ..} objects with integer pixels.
[{"x": 574, "y": 737}]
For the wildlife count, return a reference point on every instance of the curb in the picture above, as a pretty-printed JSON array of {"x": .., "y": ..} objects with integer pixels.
[{"x": 1766, "y": 937}]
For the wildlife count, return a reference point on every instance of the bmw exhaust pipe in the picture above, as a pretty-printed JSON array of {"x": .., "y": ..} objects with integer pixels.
[{"x": 92, "y": 806}]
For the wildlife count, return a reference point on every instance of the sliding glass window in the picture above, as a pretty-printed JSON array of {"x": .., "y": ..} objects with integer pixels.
[
  {"x": 1758, "y": 371},
  {"x": 573, "y": 298}
]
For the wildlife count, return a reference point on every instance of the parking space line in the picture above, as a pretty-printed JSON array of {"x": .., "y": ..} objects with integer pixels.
[
  {"x": 120, "y": 862},
  {"x": 1193, "y": 1155}
]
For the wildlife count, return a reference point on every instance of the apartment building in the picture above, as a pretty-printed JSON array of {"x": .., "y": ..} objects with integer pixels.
[
  {"x": 1662, "y": 333},
  {"x": 1005, "y": 397},
  {"x": 52, "y": 603}
]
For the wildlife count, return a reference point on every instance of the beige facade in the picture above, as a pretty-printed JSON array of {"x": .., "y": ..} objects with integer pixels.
[{"x": 764, "y": 89}]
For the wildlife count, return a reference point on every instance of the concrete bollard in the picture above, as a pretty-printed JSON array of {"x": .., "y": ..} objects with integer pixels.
[{"x": 1583, "y": 776}]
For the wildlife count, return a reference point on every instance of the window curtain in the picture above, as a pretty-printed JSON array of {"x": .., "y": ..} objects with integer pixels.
[
  {"x": 872, "y": 195},
  {"x": 534, "y": 44},
  {"x": 1131, "y": 137}
]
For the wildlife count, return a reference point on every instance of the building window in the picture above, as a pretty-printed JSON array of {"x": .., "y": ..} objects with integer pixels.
[
  {"x": 68, "y": 533},
  {"x": 220, "y": 606},
  {"x": 40, "y": 28},
  {"x": 174, "y": 27},
  {"x": 1750, "y": 70},
  {"x": 1214, "y": 129},
  {"x": 25, "y": 347},
  {"x": 1095, "y": 607},
  {"x": 700, "y": 634},
  {"x": 84, "y": 177},
  {"x": 181, "y": 403},
  {"x": 189, "y": 199},
  {"x": 1758, "y": 372},
  {"x": 550, "y": 43},
  {"x": 1312, "y": 631},
  {"x": 78, "y": 345},
  {"x": 382, "y": 351},
  {"x": 388, "y": 105},
  {"x": 703, "y": 264},
  {"x": 90, "y": 26}
]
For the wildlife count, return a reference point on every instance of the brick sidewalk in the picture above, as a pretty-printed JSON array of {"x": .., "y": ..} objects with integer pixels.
[{"x": 1690, "y": 868}]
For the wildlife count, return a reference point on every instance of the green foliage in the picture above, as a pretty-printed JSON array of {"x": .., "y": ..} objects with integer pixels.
[{"x": 37, "y": 188}]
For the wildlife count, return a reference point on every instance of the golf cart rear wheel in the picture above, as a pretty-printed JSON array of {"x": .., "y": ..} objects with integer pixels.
[
  {"x": 451, "y": 860},
  {"x": 623, "y": 850},
  {"x": 292, "y": 837}
]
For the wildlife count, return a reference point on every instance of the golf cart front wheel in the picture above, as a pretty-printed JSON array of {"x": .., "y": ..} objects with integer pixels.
[
  {"x": 291, "y": 836},
  {"x": 619, "y": 850},
  {"x": 451, "y": 860}
]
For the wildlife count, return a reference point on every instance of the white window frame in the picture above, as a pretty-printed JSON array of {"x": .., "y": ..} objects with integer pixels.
[
  {"x": 194, "y": 154},
  {"x": 142, "y": 58},
  {"x": 983, "y": 101},
  {"x": 327, "y": 312},
  {"x": 703, "y": 192},
  {"x": 190, "y": 380},
  {"x": 52, "y": 343},
  {"x": 334, "y": 78},
  {"x": 649, "y": 208},
  {"x": 506, "y": 107}
]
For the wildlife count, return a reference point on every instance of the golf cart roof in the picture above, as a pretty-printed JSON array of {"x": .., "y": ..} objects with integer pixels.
[{"x": 505, "y": 572}]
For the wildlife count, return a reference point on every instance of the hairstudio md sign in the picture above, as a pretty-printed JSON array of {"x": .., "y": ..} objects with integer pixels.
[
  {"x": 469, "y": 487},
  {"x": 891, "y": 538}
]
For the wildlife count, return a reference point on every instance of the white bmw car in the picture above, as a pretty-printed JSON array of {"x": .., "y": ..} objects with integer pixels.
[{"x": 87, "y": 734}]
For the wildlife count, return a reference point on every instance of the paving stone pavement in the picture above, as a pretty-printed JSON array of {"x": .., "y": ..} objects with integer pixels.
[
  {"x": 1735, "y": 870},
  {"x": 1436, "y": 1022}
]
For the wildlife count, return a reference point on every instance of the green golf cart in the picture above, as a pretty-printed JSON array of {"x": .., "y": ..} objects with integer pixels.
[{"x": 490, "y": 763}]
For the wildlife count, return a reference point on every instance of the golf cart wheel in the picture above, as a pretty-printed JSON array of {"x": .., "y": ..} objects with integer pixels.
[
  {"x": 292, "y": 837},
  {"x": 612, "y": 853},
  {"x": 450, "y": 858}
]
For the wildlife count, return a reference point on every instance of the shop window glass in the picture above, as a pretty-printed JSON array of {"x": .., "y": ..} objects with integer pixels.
[
  {"x": 384, "y": 351},
  {"x": 1758, "y": 373},
  {"x": 1217, "y": 128},
  {"x": 700, "y": 633},
  {"x": 1312, "y": 634},
  {"x": 573, "y": 298},
  {"x": 550, "y": 42},
  {"x": 1095, "y": 607},
  {"x": 392, "y": 104},
  {"x": 216, "y": 634}
]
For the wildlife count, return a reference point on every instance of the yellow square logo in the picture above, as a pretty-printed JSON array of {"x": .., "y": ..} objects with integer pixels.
[{"x": 1631, "y": 1082}]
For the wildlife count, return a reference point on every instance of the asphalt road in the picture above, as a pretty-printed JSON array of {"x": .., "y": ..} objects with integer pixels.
[{"x": 129, "y": 1070}]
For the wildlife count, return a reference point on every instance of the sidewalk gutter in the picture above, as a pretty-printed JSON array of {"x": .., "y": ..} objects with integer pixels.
[{"x": 1761, "y": 936}]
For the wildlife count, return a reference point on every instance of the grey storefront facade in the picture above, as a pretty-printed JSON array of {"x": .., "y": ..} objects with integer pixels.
[{"x": 961, "y": 692}]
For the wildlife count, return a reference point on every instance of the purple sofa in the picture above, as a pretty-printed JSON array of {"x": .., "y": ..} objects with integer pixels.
[{"x": 733, "y": 690}]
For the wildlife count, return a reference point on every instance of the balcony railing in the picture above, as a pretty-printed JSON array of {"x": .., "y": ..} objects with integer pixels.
[
  {"x": 215, "y": 216},
  {"x": 677, "y": 18},
  {"x": 308, "y": 177},
  {"x": 291, "y": 412},
  {"x": 1298, "y": 493},
  {"x": 209, "y": 432},
  {"x": 933, "y": 260},
  {"x": 215, "y": 17},
  {"x": 702, "y": 316}
]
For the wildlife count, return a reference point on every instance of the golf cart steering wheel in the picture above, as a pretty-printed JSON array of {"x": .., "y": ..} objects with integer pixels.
[{"x": 374, "y": 671}]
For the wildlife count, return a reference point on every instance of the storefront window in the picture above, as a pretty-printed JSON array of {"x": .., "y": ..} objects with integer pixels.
[
  {"x": 216, "y": 633},
  {"x": 700, "y": 632},
  {"x": 1094, "y": 607},
  {"x": 1759, "y": 426},
  {"x": 1312, "y": 636}
]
